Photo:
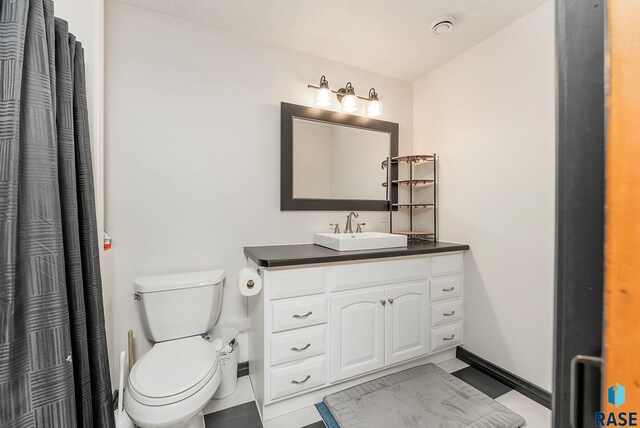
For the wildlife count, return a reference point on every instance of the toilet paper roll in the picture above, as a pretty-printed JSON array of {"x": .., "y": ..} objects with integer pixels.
[{"x": 249, "y": 282}]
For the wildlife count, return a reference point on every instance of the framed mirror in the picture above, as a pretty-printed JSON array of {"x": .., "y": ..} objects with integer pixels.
[{"x": 332, "y": 161}]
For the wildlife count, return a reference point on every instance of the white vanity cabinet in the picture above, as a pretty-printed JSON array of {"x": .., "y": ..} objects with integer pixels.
[
  {"x": 406, "y": 322},
  {"x": 319, "y": 328},
  {"x": 357, "y": 333},
  {"x": 378, "y": 327}
]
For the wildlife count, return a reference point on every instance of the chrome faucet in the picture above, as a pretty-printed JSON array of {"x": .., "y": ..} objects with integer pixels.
[{"x": 347, "y": 227}]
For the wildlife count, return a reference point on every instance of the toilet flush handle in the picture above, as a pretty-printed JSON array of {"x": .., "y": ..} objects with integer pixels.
[{"x": 137, "y": 297}]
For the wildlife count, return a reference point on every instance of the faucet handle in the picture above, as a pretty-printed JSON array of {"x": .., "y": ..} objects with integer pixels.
[
  {"x": 359, "y": 228},
  {"x": 336, "y": 227}
]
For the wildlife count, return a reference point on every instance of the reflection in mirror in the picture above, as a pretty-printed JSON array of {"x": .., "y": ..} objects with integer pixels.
[
  {"x": 335, "y": 161},
  {"x": 332, "y": 161}
]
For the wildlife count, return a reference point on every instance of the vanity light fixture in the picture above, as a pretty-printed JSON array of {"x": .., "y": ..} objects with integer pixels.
[
  {"x": 349, "y": 101},
  {"x": 374, "y": 106},
  {"x": 323, "y": 95},
  {"x": 347, "y": 98}
]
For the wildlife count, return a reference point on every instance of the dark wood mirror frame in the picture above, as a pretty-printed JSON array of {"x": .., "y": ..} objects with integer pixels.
[{"x": 287, "y": 202}]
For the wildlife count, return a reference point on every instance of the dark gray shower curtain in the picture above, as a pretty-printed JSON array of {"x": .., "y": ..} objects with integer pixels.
[{"x": 54, "y": 367}]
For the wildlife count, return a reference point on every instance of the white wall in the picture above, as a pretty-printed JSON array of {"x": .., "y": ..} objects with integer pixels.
[
  {"x": 193, "y": 149},
  {"x": 490, "y": 116}
]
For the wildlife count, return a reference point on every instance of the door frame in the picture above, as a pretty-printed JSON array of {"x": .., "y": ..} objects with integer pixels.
[{"x": 580, "y": 193}]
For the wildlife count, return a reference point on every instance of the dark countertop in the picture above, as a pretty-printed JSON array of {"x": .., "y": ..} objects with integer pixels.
[{"x": 305, "y": 254}]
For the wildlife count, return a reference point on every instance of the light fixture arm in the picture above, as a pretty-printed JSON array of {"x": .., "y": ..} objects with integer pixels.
[
  {"x": 323, "y": 82},
  {"x": 349, "y": 89},
  {"x": 340, "y": 94}
]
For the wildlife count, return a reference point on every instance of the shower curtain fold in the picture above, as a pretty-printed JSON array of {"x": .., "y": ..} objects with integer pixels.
[{"x": 54, "y": 368}]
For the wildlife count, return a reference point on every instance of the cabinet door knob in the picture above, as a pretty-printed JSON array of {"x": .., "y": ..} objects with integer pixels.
[
  {"x": 301, "y": 349},
  {"x": 448, "y": 314},
  {"x": 450, "y": 337},
  {"x": 298, "y": 382},
  {"x": 391, "y": 301},
  {"x": 298, "y": 317},
  {"x": 384, "y": 302},
  {"x": 449, "y": 289}
]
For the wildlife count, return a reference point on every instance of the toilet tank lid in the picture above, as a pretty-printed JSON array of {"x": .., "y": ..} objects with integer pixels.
[{"x": 153, "y": 284}]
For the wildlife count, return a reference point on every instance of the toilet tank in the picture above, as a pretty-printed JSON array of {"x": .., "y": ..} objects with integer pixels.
[{"x": 179, "y": 305}]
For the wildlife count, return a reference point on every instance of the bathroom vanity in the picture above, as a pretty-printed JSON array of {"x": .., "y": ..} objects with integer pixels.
[{"x": 328, "y": 320}]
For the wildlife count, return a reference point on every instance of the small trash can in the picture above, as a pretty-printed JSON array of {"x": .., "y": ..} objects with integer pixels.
[{"x": 228, "y": 359}]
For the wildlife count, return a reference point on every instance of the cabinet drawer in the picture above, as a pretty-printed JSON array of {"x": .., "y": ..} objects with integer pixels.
[
  {"x": 445, "y": 337},
  {"x": 359, "y": 275},
  {"x": 296, "y": 313},
  {"x": 446, "y": 265},
  {"x": 297, "y": 282},
  {"x": 446, "y": 288},
  {"x": 298, "y": 344},
  {"x": 296, "y": 377},
  {"x": 444, "y": 313}
]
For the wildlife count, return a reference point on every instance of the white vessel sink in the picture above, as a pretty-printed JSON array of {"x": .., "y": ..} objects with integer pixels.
[{"x": 359, "y": 241}]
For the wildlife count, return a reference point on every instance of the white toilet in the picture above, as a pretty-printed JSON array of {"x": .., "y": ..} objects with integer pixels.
[{"x": 171, "y": 384}]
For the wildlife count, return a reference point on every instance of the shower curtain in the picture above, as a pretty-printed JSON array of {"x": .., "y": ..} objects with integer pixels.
[{"x": 54, "y": 367}]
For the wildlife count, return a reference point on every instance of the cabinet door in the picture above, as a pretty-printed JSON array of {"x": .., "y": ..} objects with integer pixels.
[
  {"x": 407, "y": 322},
  {"x": 357, "y": 333}
]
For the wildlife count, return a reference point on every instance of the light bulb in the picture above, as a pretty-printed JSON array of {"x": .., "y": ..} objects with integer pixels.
[
  {"x": 349, "y": 103},
  {"x": 324, "y": 97},
  {"x": 374, "y": 108}
]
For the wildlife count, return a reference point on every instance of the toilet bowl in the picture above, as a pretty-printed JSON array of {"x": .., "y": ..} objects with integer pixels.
[{"x": 171, "y": 384}]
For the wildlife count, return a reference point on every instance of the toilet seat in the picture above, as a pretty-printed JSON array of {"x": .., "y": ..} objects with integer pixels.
[
  {"x": 172, "y": 371},
  {"x": 184, "y": 413}
]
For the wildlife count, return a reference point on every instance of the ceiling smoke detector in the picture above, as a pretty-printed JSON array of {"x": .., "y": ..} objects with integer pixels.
[{"x": 443, "y": 25}]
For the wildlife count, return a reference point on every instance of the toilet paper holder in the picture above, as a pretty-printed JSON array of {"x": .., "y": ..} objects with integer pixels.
[{"x": 250, "y": 283}]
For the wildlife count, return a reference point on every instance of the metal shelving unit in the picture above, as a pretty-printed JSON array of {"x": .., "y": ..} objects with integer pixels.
[{"x": 412, "y": 205}]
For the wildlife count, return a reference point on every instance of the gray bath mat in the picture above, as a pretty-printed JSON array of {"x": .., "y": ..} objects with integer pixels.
[{"x": 424, "y": 397}]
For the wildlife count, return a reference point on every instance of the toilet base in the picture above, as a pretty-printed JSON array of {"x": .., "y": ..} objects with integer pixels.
[{"x": 196, "y": 422}]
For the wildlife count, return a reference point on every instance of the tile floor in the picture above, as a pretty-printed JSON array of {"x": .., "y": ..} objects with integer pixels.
[{"x": 239, "y": 409}]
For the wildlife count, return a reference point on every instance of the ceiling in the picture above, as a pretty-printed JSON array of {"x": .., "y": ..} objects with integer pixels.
[{"x": 390, "y": 37}]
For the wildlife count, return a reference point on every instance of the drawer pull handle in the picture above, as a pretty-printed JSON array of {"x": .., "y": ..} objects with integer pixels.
[
  {"x": 449, "y": 289},
  {"x": 453, "y": 336},
  {"x": 390, "y": 301},
  {"x": 383, "y": 302},
  {"x": 304, "y": 348},
  {"x": 299, "y": 317},
  {"x": 449, "y": 314},
  {"x": 298, "y": 382}
]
